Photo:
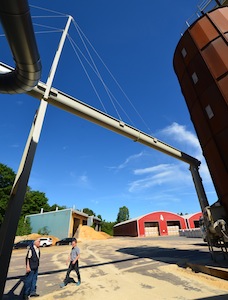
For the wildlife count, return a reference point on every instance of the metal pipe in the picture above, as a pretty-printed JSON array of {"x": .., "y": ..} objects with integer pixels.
[
  {"x": 77, "y": 107},
  {"x": 83, "y": 110},
  {"x": 199, "y": 187},
  {"x": 17, "y": 24}
]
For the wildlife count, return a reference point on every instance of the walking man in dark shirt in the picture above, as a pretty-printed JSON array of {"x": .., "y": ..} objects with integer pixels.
[
  {"x": 74, "y": 265},
  {"x": 32, "y": 263}
]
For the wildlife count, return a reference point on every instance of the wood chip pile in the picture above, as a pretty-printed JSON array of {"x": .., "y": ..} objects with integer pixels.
[{"x": 86, "y": 233}]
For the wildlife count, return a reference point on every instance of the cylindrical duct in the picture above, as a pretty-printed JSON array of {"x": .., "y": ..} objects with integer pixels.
[{"x": 16, "y": 21}]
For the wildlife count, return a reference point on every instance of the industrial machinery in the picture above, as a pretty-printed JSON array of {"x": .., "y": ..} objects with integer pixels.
[{"x": 201, "y": 65}]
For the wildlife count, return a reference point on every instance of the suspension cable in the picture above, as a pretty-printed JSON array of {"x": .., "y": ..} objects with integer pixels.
[{"x": 93, "y": 66}]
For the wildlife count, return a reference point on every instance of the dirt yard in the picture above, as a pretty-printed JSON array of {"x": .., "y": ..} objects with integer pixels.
[{"x": 127, "y": 268}]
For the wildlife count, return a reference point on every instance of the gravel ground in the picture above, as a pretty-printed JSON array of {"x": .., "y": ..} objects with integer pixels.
[{"x": 131, "y": 268}]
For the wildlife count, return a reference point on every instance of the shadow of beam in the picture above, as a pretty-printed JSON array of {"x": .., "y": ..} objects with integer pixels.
[
  {"x": 81, "y": 267},
  {"x": 10, "y": 295},
  {"x": 218, "y": 297}
]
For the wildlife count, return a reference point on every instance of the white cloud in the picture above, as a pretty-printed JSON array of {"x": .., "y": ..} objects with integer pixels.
[
  {"x": 189, "y": 141},
  {"x": 153, "y": 169},
  {"x": 164, "y": 174},
  {"x": 128, "y": 161},
  {"x": 169, "y": 177},
  {"x": 81, "y": 181},
  {"x": 171, "y": 180},
  {"x": 184, "y": 137},
  {"x": 14, "y": 146}
]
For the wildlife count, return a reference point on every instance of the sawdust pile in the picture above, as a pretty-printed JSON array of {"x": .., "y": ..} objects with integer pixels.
[{"x": 86, "y": 233}]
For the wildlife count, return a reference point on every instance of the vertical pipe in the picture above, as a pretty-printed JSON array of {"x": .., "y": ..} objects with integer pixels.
[{"x": 199, "y": 186}]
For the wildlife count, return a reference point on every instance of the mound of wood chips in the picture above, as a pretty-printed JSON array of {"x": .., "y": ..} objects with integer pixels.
[
  {"x": 88, "y": 233},
  {"x": 85, "y": 233}
]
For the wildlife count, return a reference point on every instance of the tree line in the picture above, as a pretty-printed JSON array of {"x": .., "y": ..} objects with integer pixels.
[{"x": 35, "y": 200}]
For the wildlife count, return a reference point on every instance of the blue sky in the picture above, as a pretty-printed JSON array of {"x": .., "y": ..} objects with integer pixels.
[{"x": 80, "y": 164}]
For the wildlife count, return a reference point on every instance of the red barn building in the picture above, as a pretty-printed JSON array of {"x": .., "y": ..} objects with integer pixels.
[
  {"x": 152, "y": 224},
  {"x": 192, "y": 220}
]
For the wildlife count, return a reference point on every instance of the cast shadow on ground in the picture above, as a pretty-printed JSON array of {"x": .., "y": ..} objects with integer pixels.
[
  {"x": 21, "y": 277},
  {"x": 201, "y": 244},
  {"x": 176, "y": 256},
  {"x": 179, "y": 257},
  {"x": 10, "y": 295},
  {"x": 219, "y": 297}
]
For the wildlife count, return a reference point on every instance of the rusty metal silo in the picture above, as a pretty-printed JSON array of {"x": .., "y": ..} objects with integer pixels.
[{"x": 201, "y": 65}]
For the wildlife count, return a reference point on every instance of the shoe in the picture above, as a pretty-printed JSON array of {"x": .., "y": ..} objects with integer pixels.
[
  {"x": 25, "y": 297},
  {"x": 62, "y": 284},
  {"x": 34, "y": 295},
  {"x": 78, "y": 283}
]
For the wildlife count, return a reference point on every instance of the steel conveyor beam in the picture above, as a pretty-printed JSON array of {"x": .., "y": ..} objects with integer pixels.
[
  {"x": 76, "y": 107},
  {"x": 16, "y": 21},
  {"x": 83, "y": 110}
]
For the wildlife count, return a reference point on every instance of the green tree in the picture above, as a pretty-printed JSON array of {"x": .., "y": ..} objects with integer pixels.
[
  {"x": 107, "y": 227},
  {"x": 34, "y": 201},
  {"x": 123, "y": 214},
  {"x": 54, "y": 206},
  {"x": 100, "y": 217},
  {"x": 89, "y": 212},
  {"x": 44, "y": 230},
  {"x": 24, "y": 226},
  {"x": 7, "y": 177}
]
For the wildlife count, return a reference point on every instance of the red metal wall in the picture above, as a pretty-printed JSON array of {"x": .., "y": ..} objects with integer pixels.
[
  {"x": 193, "y": 218},
  {"x": 161, "y": 217},
  {"x": 201, "y": 65},
  {"x": 126, "y": 229}
]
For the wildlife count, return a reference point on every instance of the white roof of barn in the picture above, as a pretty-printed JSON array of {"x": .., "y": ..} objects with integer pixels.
[
  {"x": 140, "y": 217},
  {"x": 128, "y": 221},
  {"x": 188, "y": 216}
]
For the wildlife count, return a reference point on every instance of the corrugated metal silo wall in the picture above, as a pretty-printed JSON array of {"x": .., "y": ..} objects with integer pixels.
[{"x": 201, "y": 65}]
